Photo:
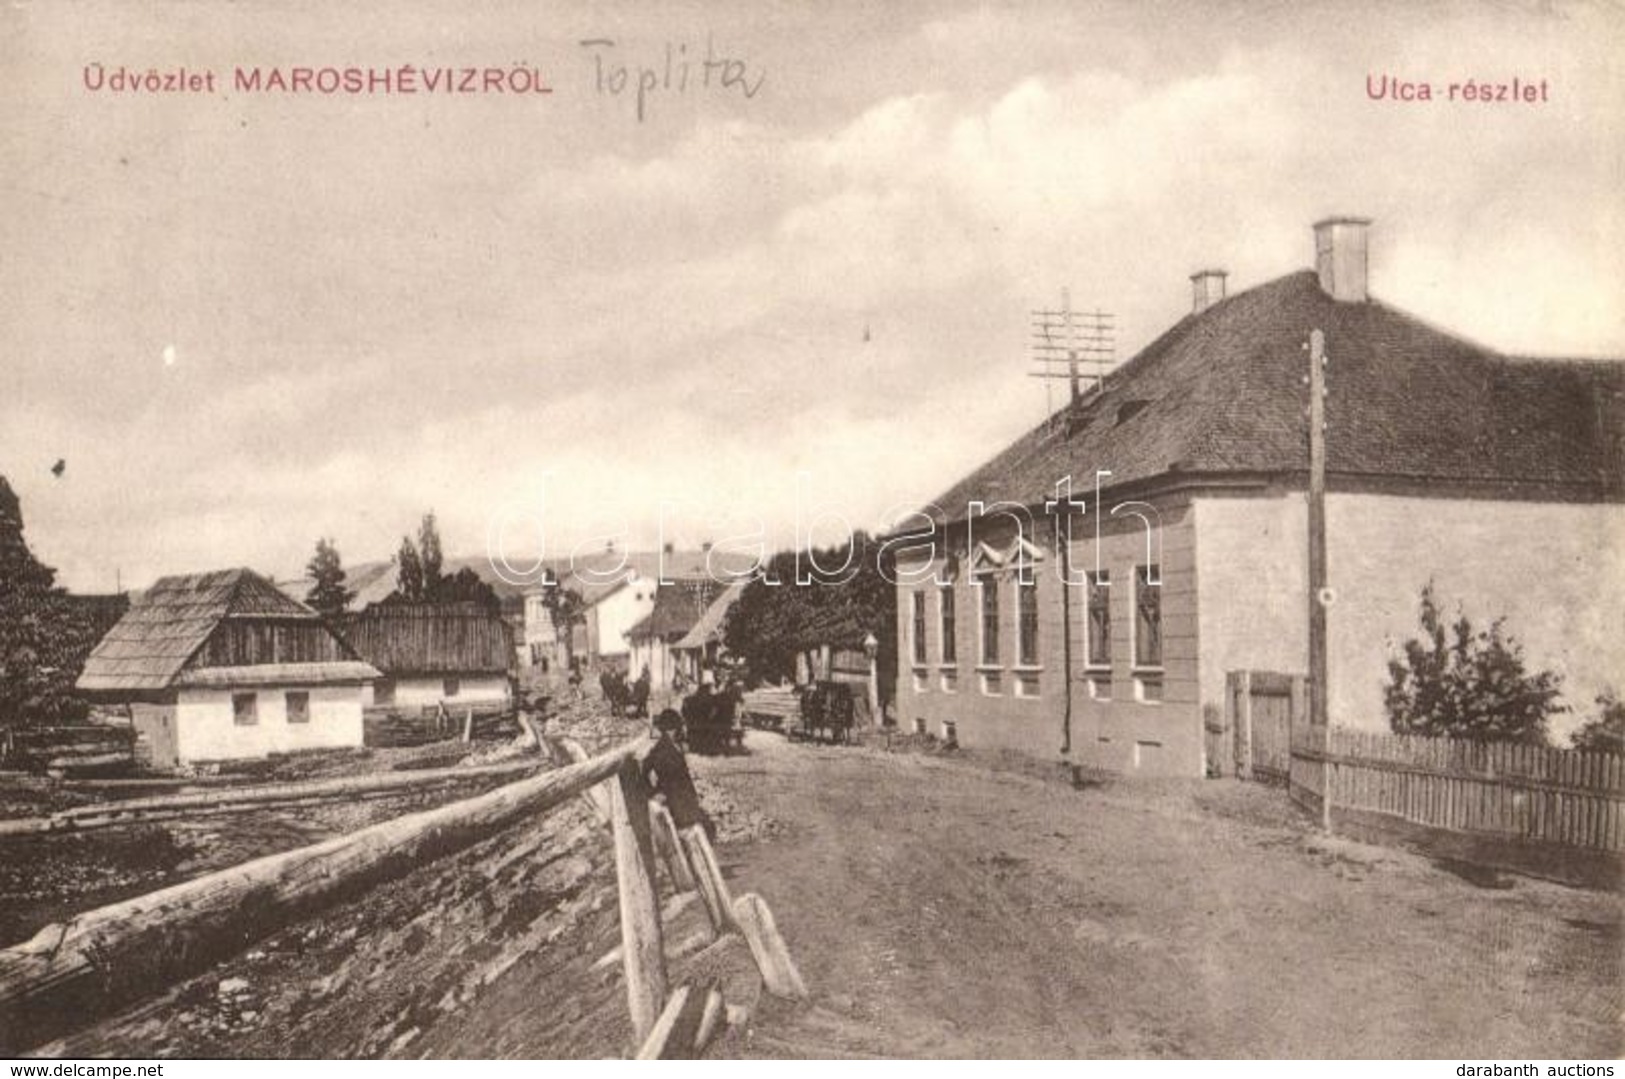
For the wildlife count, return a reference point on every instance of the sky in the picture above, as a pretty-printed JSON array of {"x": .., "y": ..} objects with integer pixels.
[{"x": 247, "y": 320}]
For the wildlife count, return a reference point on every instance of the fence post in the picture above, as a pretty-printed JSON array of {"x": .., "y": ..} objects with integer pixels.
[
  {"x": 1244, "y": 722},
  {"x": 642, "y": 946},
  {"x": 671, "y": 849},
  {"x": 1297, "y": 687}
]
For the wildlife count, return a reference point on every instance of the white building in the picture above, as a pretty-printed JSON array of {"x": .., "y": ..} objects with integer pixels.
[{"x": 223, "y": 666}]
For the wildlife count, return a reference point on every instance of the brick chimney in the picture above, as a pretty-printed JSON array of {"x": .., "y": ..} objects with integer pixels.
[
  {"x": 1207, "y": 289},
  {"x": 1340, "y": 257}
]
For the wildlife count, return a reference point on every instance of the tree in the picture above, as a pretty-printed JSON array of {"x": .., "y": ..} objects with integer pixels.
[
  {"x": 44, "y": 635},
  {"x": 1604, "y": 732},
  {"x": 566, "y": 609},
  {"x": 409, "y": 572},
  {"x": 1460, "y": 683},
  {"x": 770, "y": 625},
  {"x": 326, "y": 570},
  {"x": 465, "y": 586},
  {"x": 430, "y": 556}
]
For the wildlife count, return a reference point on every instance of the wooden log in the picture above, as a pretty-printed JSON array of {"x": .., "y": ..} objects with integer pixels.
[
  {"x": 708, "y": 879},
  {"x": 711, "y": 1020},
  {"x": 597, "y": 797},
  {"x": 103, "y": 814},
  {"x": 779, "y": 973},
  {"x": 68, "y": 974},
  {"x": 674, "y": 1033},
  {"x": 643, "y": 949},
  {"x": 671, "y": 850},
  {"x": 468, "y": 725},
  {"x": 534, "y": 731}
]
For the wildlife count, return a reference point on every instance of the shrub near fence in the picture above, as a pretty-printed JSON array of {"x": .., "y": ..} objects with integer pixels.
[{"x": 1558, "y": 796}]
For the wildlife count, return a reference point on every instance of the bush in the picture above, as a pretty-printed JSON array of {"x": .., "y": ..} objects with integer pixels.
[
  {"x": 1604, "y": 732},
  {"x": 1459, "y": 682}
]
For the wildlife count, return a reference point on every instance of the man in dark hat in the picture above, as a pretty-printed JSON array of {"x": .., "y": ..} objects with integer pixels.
[{"x": 665, "y": 770}]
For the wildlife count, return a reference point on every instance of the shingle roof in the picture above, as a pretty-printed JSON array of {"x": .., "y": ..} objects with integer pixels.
[
  {"x": 165, "y": 625},
  {"x": 711, "y": 621},
  {"x": 431, "y": 638},
  {"x": 678, "y": 606},
  {"x": 1222, "y": 392}
]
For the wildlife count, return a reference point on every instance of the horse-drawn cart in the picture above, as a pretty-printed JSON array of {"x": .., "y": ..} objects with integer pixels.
[
  {"x": 711, "y": 722},
  {"x": 828, "y": 712}
]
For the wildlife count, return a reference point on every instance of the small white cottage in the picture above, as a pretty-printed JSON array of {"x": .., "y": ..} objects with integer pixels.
[{"x": 224, "y": 666}]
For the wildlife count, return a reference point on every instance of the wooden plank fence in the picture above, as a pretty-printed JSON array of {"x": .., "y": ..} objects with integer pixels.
[{"x": 1558, "y": 796}]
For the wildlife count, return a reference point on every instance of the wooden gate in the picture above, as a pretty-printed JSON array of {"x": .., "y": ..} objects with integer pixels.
[{"x": 1262, "y": 708}]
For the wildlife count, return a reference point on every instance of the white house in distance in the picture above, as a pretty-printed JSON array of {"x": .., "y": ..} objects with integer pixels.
[
  {"x": 223, "y": 666},
  {"x": 456, "y": 654}
]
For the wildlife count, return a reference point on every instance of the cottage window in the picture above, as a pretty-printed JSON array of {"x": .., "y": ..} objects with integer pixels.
[
  {"x": 298, "y": 706},
  {"x": 918, "y": 600},
  {"x": 1100, "y": 619},
  {"x": 1027, "y": 622},
  {"x": 383, "y": 691},
  {"x": 990, "y": 620},
  {"x": 245, "y": 709},
  {"x": 450, "y": 687},
  {"x": 950, "y": 652},
  {"x": 1148, "y": 616}
]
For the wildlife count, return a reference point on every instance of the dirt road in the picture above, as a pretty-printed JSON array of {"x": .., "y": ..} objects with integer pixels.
[{"x": 943, "y": 908}]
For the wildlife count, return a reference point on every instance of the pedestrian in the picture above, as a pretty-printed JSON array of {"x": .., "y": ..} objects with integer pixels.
[{"x": 665, "y": 771}]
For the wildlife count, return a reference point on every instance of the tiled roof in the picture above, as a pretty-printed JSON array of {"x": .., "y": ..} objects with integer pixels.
[{"x": 1222, "y": 392}]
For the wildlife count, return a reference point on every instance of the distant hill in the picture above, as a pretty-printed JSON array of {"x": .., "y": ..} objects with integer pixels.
[{"x": 373, "y": 582}]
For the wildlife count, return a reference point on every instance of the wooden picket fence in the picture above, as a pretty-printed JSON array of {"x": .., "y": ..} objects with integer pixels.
[{"x": 1558, "y": 796}]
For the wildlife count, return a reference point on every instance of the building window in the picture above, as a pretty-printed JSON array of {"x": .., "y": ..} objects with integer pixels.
[
  {"x": 1027, "y": 623},
  {"x": 298, "y": 706},
  {"x": 918, "y": 599},
  {"x": 383, "y": 691},
  {"x": 950, "y": 651},
  {"x": 450, "y": 686},
  {"x": 1148, "y": 617},
  {"x": 990, "y": 621},
  {"x": 245, "y": 709},
  {"x": 1100, "y": 619}
]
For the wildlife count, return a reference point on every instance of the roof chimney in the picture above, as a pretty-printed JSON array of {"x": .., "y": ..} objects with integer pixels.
[
  {"x": 1340, "y": 257},
  {"x": 1207, "y": 289}
]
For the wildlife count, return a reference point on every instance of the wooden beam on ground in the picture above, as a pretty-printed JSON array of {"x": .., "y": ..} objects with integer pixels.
[
  {"x": 642, "y": 944},
  {"x": 105, "y": 814},
  {"x": 69, "y": 974},
  {"x": 780, "y": 975}
]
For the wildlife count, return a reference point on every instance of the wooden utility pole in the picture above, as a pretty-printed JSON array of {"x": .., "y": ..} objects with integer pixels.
[{"x": 1320, "y": 596}]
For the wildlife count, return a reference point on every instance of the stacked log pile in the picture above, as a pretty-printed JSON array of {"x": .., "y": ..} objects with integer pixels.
[{"x": 83, "y": 750}]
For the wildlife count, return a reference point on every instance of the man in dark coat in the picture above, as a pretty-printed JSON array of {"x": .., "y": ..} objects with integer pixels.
[{"x": 665, "y": 770}]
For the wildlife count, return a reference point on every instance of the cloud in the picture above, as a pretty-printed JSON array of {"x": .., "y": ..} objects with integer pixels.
[{"x": 389, "y": 308}]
